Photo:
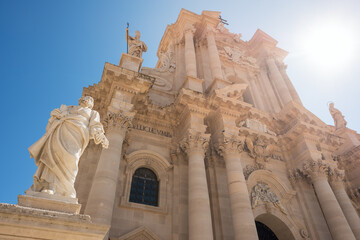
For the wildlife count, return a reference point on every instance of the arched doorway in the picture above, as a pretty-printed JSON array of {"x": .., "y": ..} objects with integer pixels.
[
  {"x": 270, "y": 227},
  {"x": 264, "y": 232}
]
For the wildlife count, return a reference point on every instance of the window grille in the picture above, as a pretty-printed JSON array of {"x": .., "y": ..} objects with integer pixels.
[{"x": 144, "y": 187}]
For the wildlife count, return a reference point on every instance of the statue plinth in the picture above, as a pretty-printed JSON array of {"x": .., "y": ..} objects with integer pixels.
[
  {"x": 49, "y": 202},
  {"x": 217, "y": 83},
  {"x": 130, "y": 62},
  {"x": 350, "y": 142}
]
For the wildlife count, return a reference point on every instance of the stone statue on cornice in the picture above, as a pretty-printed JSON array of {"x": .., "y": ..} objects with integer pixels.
[
  {"x": 136, "y": 46},
  {"x": 339, "y": 119},
  {"x": 57, "y": 153}
]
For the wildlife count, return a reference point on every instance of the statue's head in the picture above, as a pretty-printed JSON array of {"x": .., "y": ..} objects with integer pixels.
[
  {"x": 331, "y": 105},
  {"x": 137, "y": 34},
  {"x": 86, "y": 101}
]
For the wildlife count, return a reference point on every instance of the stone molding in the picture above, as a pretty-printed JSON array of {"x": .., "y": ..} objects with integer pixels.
[
  {"x": 194, "y": 141},
  {"x": 121, "y": 121}
]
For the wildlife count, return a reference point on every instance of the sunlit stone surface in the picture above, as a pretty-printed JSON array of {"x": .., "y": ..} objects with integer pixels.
[{"x": 227, "y": 146}]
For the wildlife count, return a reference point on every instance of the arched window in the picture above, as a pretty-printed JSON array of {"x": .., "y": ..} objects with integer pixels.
[{"x": 144, "y": 187}]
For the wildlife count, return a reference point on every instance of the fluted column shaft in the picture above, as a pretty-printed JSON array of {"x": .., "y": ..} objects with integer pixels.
[
  {"x": 289, "y": 84},
  {"x": 280, "y": 84},
  {"x": 242, "y": 215},
  {"x": 200, "y": 224},
  {"x": 190, "y": 57},
  {"x": 101, "y": 198},
  {"x": 214, "y": 59},
  {"x": 347, "y": 207},
  {"x": 318, "y": 171}
]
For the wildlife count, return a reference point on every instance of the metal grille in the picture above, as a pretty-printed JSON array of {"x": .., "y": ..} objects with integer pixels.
[
  {"x": 144, "y": 187},
  {"x": 264, "y": 232}
]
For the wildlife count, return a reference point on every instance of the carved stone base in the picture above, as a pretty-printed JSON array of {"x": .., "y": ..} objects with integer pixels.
[
  {"x": 17, "y": 222},
  {"x": 130, "y": 62},
  {"x": 193, "y": 83},
  {"x": 49, "y": 202}
]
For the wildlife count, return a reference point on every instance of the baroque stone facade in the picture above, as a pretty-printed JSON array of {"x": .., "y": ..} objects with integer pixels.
[{"x": 209, "y": 143}]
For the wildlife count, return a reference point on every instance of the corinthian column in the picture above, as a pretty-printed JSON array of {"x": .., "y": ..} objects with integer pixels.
[
  {"x": 190, "y": 58},
  {"x": 336, "y": 221},
  {"x": 242, "y": 215},
  {"x": 337, "y": 184},
  {"x": 200, "y": 226},
  {"x": 102, "y": 194},
  {"x": 280, "y": 84},
  {"x": 214, "y": 59}
]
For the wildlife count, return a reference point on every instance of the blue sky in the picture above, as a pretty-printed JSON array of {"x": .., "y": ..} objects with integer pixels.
[{"x": 50, "y": 50}]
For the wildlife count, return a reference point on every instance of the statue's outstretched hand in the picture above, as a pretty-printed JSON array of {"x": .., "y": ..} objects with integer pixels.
[{"x": 105, "y": 143}]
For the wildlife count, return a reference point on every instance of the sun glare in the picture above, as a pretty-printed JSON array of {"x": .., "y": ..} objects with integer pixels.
[{"x": 330, "y": 46}]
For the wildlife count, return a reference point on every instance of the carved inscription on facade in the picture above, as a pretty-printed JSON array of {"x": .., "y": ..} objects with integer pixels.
[{"x": 152, "y": 130}]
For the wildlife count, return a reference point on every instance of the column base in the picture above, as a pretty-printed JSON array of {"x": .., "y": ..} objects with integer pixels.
[
  {"x": 130, "y": 62},
  {"x": 49, "y": 202},
  {"x": 217, "y": 83},
  {"x": 193, "y": 83}
]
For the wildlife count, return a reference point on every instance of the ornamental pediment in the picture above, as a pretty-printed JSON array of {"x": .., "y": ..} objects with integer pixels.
[{"x": 141, "y": 233}]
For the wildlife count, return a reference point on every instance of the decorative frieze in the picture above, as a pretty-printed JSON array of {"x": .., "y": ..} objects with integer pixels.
[{"x": 259, "y": 149}]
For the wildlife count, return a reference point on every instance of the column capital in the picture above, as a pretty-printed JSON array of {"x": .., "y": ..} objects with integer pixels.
[
  {"x": 189, "y": 28},
  {"x": 209, "y": 30},
  {"x": 229, "y": 144},
  {"x": 119, "y": 122},
  {"x": 337, "y": 177},
  {"x": 316, "y": 169},
  {"x": 194, "y": 141}
]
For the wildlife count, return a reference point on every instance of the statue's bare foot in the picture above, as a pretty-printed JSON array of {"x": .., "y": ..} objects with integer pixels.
[{"x": 48, "y": 191}]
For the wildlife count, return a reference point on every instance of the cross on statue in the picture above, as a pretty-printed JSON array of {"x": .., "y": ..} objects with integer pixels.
[{"x": 223, "y": 21}]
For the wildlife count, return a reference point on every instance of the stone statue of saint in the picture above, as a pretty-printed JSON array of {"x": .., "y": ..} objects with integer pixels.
[
  {"x": 57, "y": 153},
  {"x": 339, "y": 119},
  {"x": 136, "y": 46}
]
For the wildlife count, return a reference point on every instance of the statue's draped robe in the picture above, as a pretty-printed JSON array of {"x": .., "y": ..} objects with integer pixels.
[{"x": 57, "y": 153}]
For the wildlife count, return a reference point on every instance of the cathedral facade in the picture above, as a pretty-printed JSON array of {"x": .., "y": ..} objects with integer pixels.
[{"x": 214, "y": 144}]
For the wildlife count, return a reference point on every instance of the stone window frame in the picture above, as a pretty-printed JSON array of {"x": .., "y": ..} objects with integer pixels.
[{"x": 160, "y": 166}]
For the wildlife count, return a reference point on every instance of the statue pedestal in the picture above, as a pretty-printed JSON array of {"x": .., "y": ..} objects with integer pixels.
[
  {"x": 193, "y": 83},
  {"x": 217, "y": 84},
  {"x": 18, "y": 222},
  {"x": 351, "y": 140},
  {"x": 49, "y": 202},
  {"x": 130, "y": 62}
]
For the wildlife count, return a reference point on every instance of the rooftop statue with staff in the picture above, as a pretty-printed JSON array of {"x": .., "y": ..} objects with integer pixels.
[{"x": 136, "y": 46}]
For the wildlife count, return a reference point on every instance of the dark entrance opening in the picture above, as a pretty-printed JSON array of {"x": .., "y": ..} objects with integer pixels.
[{"x": 264, "y": 232}]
